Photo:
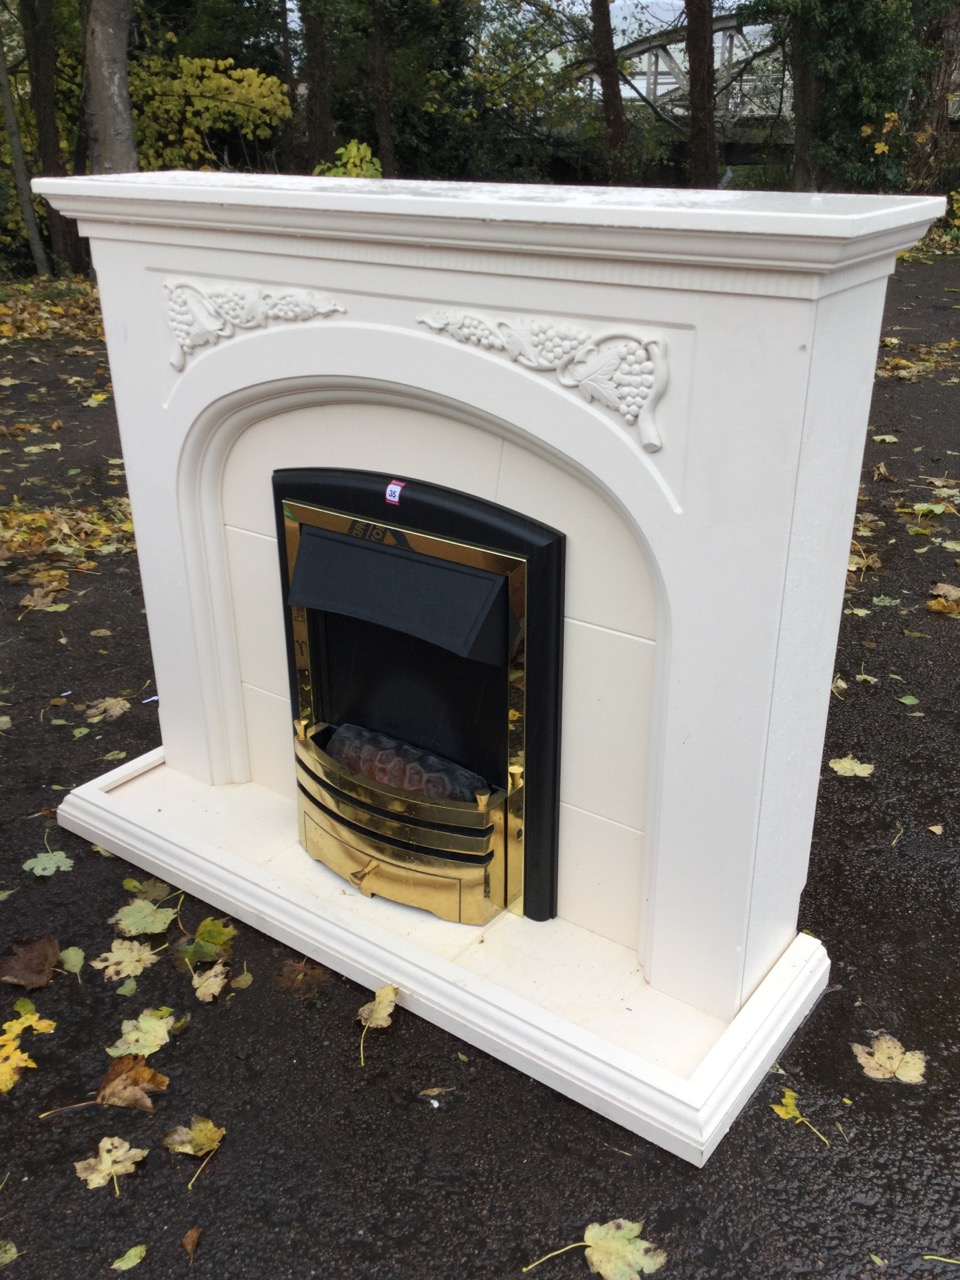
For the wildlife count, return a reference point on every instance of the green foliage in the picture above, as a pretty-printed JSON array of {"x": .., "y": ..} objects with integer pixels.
[
  {"x": 867, "y": 59},
  {"x": 184, "y": 107},
  {"x": 355, "y": 160}
]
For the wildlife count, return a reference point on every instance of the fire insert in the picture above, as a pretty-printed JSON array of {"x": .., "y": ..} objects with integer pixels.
[{"x": 424, "y": 640}]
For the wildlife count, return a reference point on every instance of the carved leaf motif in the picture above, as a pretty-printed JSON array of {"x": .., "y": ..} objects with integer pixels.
[
  {"x": 601, "y": 389},
  {"x": 517, "y": 346}
]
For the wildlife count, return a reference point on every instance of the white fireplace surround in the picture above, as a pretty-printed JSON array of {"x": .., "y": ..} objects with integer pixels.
[{"x": 679, "y": 381}]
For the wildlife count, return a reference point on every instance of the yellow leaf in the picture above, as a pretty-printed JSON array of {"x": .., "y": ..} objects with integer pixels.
[
  {"x": 377, "y": 1012},
  {"x": 615, "y": 1251},
  {"x": 202, "y": 1138},
  {"x": 886, "y": 1059},
  {"x": 114, "y": 1158},
  {"x": 209, "y": 984},
  {"x": 787, "y": 1108},
  {"x": 850, "y": 767}
]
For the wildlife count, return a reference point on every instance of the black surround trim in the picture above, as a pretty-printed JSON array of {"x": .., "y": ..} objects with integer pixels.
[{"x": 446, "y": 513}]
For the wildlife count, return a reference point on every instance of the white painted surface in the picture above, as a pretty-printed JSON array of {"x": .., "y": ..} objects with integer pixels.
[{"x": 727, "y": 546}]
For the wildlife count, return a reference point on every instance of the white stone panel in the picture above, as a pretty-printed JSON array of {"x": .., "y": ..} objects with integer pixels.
[
  {"x": 607, "y": 682},
  {"x": 608, "y": 578},
  {"x": 595, "y": 854},
  {"x": 255, "y": 586}
]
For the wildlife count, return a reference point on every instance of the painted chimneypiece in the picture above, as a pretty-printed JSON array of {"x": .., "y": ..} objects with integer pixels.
[{"x": 679, "y": 381}]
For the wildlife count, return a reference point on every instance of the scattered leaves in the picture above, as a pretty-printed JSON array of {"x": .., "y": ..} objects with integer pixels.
[
  {"x": 302, "y": 977},
  {"x": 787, "y": 1109},
  {"x": 213, "y": 940},
  {"x": 72, "y": 959},
  {"x": 48, "y": 862},
  {"x": 378, "y": 1012},
  {"x": 142, "y": 916},
  {"x": 614, "y": 1251},
  {"x": 124, "y": 960},
  {"x": 211, "y": 982},
  {"x": 106, "y": 709},
  {"x": 128, "y": 1083},
  {"x": 130, "y": 1259},
  {"x": 145, "y": 1034},
  {"x": 190, "y": 1241},
  {"x": 114, "y": 1158},
  {"x": 32, "y": 964},
  {"x": 886, "y": 1059},
  {"x": 152, "y": 889},
  {"x": 202, "y": 1138},
  {"x": 850, "y": 767},
  {"x": 12, "y": 1058}
]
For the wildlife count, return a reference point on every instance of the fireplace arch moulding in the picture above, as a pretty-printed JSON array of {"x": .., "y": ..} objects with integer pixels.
[{"x": 204, "y": 460}]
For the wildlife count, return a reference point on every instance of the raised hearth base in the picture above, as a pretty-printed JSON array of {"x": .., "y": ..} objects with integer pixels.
[{"x": 525, "y": 992}]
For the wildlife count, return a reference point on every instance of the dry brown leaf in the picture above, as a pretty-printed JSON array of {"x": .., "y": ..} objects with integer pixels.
[
  {"x": 190, "y": 1241},
  {"x": 887, "y": 1059},
  {"x": 941, "y": 605},
  {"x": 302, "y": 977},
  {"x": 946, "y": 590},
  {"x": 377, "y": 1012},
  {"x": 32, "y": 964},
  {"x": 107, "y": 708},
  {"x": 128, "y": 1082}
]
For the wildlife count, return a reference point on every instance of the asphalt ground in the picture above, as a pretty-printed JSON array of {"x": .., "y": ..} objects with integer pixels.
[{"x": 329, "y": 1169}]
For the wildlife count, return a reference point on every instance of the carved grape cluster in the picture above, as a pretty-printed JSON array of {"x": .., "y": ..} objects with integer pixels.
[
  {"x": 181, "y": 317},
  {"x": 476, "y": 333},
  {"x": 634, "y": 378},
  {"x": 551, "y": 343},
  {"x": 287, "y": 306},
  {"x": 235, "y": 306}
]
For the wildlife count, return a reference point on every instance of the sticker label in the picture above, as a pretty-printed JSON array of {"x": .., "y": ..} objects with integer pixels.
[{"x": 393, "y": 491}]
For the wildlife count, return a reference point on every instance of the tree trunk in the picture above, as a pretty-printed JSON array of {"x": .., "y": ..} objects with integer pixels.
[
  {"x": 381, "y": 92},
  {"x": 36, "y": 19},
  {"x": 806, "y": 176},
  {"x": 701, "y": 140},
  {"x": 316, "y": 74},
  {"x": 21, "y": 174},
  {"x": 109, "y": 115},
  {"x": 608, "y": 73}
]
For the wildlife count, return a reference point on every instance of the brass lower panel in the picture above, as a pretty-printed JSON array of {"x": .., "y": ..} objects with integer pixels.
[{"x": 452, "y": 891}]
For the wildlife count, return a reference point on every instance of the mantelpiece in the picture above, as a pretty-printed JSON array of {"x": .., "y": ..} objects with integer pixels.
[{"x": 677, "y": 380}]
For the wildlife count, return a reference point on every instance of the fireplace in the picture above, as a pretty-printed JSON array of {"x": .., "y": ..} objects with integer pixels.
[
  {"x": 679, "y": 382},
  {"x": 424, "y": 636}
]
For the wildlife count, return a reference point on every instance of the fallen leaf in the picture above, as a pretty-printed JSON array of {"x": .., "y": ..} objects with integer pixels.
[
  {"x": 127, "y": 988},
  {"x": 190, "y": 1241},
  {"x": 130, "y": 1259},
  {"x": 941, "y": 605},
  {"x": 202, "y": 1138},
  {"x": 886, "y": 1059},
  {"x": 9, "y": 382},
  {"x": 72, "y": 958},
  {"x": 886, "y": 602},
  {"x": 849, "y": 767},
  {"x": 210, "y": 983},
  {"x": 32, "y": 964},
  {"x": 5, "y": 724},
  {"x": 880, "y": 472},
  {"x": 152, "y": 889},
  {"x": 114, "y": 1158},
  {"x": 435, "y": 1092},
  {"x": 213, "y": 940},
  {"x": 93, "y": 401},
  {"x": 143, "y": 1035},
  {"x": 909, "y": 700},
  {"x": 787, "y": 1109},
  {"x": 242, "y": 980},
  {"x": 945, "y": 590},
  {"x": 301, "y": 976},
  {"x": 936, "y": 828},
  {"x": 46, "y": 863},
  {"x": 12, "y": 1058},
  {"x": 125, "y": 959},
  {"x": 107, "y": 708},
  {"x": 141, "y": 916},
  {"x": 616, "y": 1252},
  {"x": 101, "y": 631},
  {"x": 8, "y": 1252},
  {"x": 128, "y": 1082},
  {"x": 377, "y": 1013}
]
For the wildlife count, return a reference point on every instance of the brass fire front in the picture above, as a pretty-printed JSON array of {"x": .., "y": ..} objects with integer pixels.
[{"x": 462, "y": 860}]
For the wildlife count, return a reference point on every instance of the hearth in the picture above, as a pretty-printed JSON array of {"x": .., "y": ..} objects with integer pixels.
[
  {"x": 679, "y": 382},
  {"x": 424, "y": 638}
]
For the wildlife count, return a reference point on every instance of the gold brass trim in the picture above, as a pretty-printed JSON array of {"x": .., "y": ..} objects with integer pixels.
[{"x": 489, "y": 830}]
